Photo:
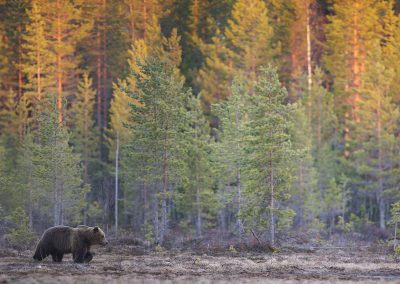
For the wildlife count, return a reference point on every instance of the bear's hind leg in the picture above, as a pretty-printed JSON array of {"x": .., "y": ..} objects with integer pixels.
[
  {"x": 57, "y": 257},
  {"x": 88, "y": 257}
]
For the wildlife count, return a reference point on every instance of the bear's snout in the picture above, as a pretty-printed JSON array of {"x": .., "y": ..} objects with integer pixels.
[{"x": 104, "y": 243}]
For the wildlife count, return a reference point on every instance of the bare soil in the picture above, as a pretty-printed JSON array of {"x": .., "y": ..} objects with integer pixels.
[{"x": 125, "y": 264}]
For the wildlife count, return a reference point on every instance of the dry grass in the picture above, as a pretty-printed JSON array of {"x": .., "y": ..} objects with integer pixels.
[{"x": 123, "y": 265}]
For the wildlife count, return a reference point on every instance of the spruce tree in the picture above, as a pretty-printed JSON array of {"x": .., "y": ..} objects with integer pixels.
[
  {"x": 375, "y": 155},
  {"x": 198, "y": 199},
  {"x": 306, "y": 197},
  {"x": 240, "y": 50},
  {"x": 228, "y": 151},
  {"x": 57, "y": 169},
  {"x": 84, "y": 134}
]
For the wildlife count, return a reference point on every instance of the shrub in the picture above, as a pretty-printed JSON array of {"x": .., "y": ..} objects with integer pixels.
[{"x": 20, "y": 235}]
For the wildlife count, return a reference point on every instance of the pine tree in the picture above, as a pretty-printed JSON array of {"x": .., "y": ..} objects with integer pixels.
[
  {"x": 155, "y": 45},
  {"x": 269, "y": 168},
  {"x": 157, "y": 123},
  {"x": 352, "y": 31},
  {"x": 5, "y": 65},
  {"x": 66, "y": 28},
  {"x": 14, "y": 15},
  {"x": 37, "y": 63}
]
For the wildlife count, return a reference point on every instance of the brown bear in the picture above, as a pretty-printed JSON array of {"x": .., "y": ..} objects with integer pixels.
[{"x": 59, "y": 240}]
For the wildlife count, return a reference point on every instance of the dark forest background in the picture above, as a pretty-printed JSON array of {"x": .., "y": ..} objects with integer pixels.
[{"x": 200, "y": 118}]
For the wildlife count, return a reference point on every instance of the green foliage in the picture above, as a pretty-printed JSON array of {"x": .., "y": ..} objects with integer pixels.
[
  {"x": 149, "y": 235},
  {"x": 159, "y": 249},
  {"x": 395, "y": 211},
  {"x": 397, "y": 250},
  {"x": 20, "y": 236},
  {"x": 228, "y": 151},
  {"x": 376, "y": 147},
  {"x": 232, "y": 249},
  {"x": 328, "y": 155},
  {"x": 94, "y": 211},
  {"x": 84, "y": 134},
  {"x": 51, "y": 172},
  {"x": 239, "y": 51},
  {"x": 159, "y": 128},
  {"x": 285, "y": 219},
  {"x": 198, "y": 198},
  {"x": 269, "y": 151}
]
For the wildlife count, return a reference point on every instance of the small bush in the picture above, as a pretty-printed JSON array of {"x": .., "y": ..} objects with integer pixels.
[
  {"x": 232, "y": 249},
  {"x": 20, "y": 236},
  {"x": 159, "y": 249},
  {"x": 397, "y": 250}
]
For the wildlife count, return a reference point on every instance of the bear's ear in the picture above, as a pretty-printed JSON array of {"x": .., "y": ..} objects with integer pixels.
[{"x": 96, "y": 229}]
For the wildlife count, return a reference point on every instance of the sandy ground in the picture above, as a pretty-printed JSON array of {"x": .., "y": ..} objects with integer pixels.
[{"x": 113, "y": 265}]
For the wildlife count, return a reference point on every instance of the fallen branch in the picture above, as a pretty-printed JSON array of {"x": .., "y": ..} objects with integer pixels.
[{"x": 255, "y": 236}]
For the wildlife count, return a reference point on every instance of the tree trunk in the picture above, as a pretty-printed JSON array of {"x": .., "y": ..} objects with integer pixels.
[
  {"x": 156, "y": 222},
  {"x": 99, "y": 93},
  {"x": 145, "y": 209},
  {"x": 106, "y": 206},
  {"x": 309, "y": 66},
  {"x": 272, "y": 197},
  {"x": 38, "y": 73},
  {"x": 132, "y": 20},
  {"x": 356, "y": 80},
  {"x": 59, "y": 67},
  {"x": 20, "y": 83},
  {"x": 238, "y": 177},
  {"x": 195, "y": 15},
  {"x": 164, "y": 199},
  {"x": 55, "y": 182},
  {"x": 198, "y": 206},
  {"x": 380, "y": 170},
  {"x": 395, "y": 237},
  {"x": 85, "y": 153},
  {"x": 116, "y": 184},
  {"x": 61, "y": 204},
  {"x": 105, "y": 84},
  {"x": 144, "y": 18},
  {"x": 30, "y": 209},
  {"x": 319, "y": 126}
]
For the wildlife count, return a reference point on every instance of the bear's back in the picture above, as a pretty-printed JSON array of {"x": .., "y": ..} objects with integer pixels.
[{"x": 58, "y": 237}]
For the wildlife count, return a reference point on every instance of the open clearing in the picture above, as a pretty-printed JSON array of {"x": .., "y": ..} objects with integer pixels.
[{"x": 115, "y": 265}]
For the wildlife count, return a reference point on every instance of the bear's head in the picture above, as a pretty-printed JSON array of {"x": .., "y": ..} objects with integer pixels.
[{"x": 98, "y": 237}]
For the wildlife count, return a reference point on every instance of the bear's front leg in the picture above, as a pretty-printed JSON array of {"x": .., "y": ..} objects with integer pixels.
[
  {"x": 79, "y": 255},
  {"x": 57, "y": 257},
  {"x": 88, "y": 257}
]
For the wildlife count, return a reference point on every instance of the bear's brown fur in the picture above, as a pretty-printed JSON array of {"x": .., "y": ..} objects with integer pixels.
[{"x": 59, "y": 240}]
